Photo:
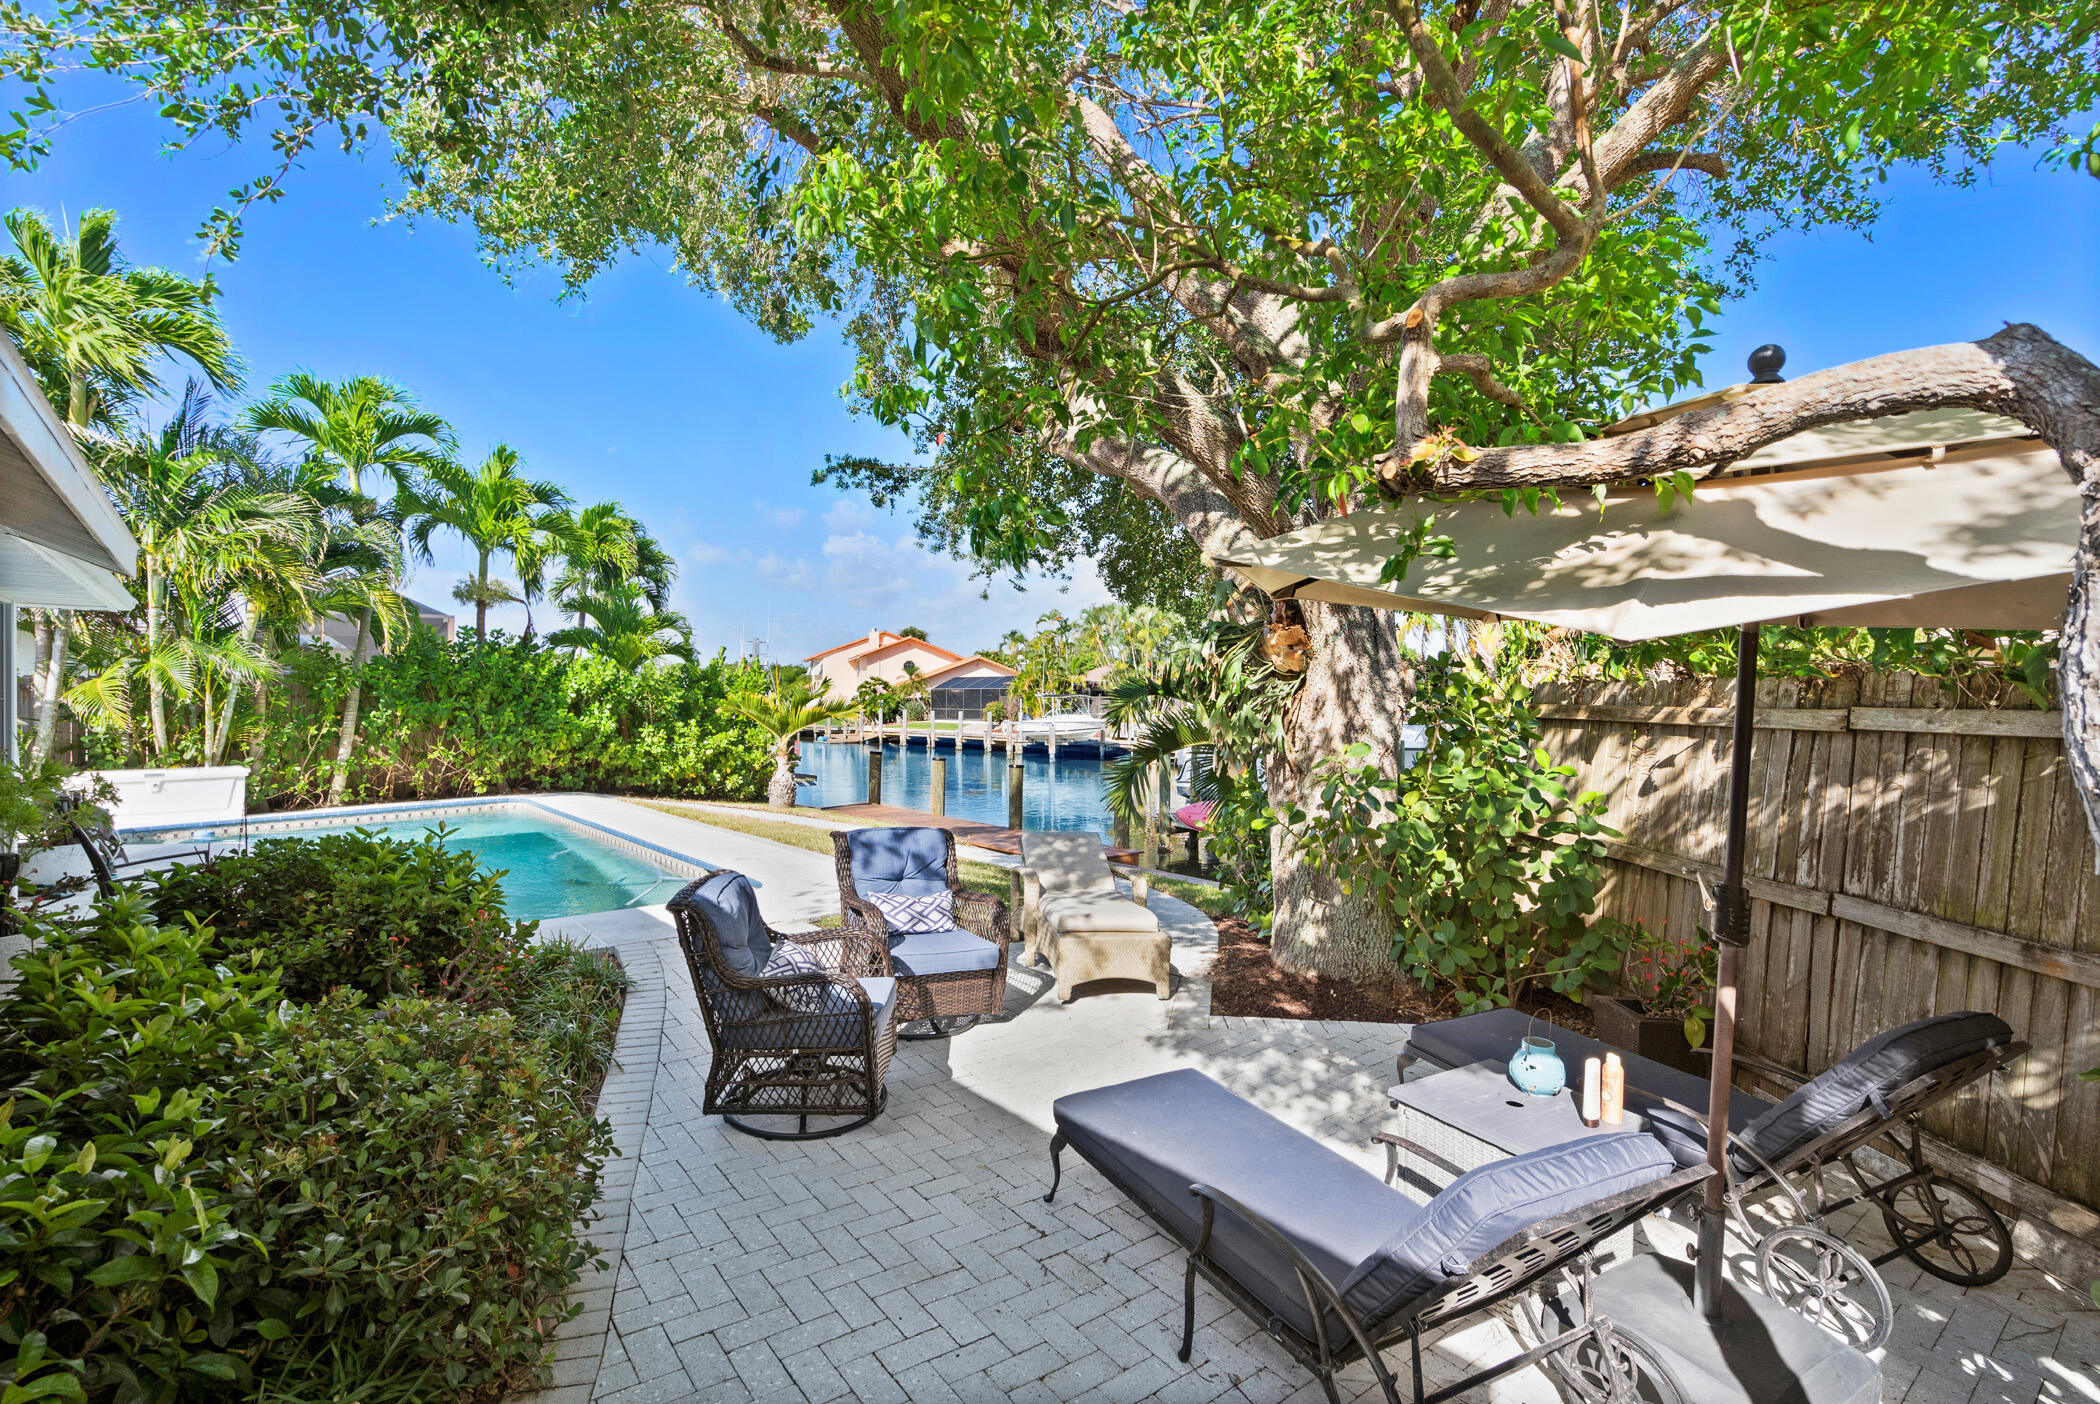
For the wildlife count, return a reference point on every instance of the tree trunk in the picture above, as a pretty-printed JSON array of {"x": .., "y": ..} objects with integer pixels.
[
  {"x": 346, "y": 735},
  {"x": 481, "y": 599},
  {"x": 257, "y": 735},
  {"x": 217, "y": 753},
  {"x": 156, "y": 712},
  {"x": 1356, "y": 690},
  {"x": 52, "y": 685},
  {"x": 780, "y": 790}
]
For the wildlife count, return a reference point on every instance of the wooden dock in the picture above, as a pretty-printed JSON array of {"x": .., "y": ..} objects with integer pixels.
[{"x": 968, "y": 831}]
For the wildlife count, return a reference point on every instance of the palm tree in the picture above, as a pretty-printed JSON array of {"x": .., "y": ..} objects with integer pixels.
[
  {"x": 624, "y": 629},
  {"x": 91, "y": 327},
  {"x": 357, "y": 426},
  {"x": 197, "y": 529},
  {"x": 493, "y": 509},
  {"x": 602, "y": 549},
  {"x": 784, "y": 714}
]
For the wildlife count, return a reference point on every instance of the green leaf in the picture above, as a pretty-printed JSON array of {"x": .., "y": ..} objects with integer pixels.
[
  {"x": 132, "y": 1267},
  {"x": 1562, "y": 45}
]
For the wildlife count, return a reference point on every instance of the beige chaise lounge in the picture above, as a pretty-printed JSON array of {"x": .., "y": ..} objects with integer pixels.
[{"x": 1073, "y": 916}]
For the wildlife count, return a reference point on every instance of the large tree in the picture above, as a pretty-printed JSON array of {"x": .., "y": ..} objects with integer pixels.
[{"x": 1249, "y": 261}]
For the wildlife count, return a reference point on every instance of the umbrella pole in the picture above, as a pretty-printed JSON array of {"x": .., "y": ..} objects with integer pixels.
[{"x": 1732, "y": 921}]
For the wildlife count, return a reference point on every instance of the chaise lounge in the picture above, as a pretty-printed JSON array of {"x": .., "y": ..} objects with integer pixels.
[
  {"x": 1337, "y": 1265},
  {"x": 1074, "y": 917},
  {"x": 1878, "y": 1091}
]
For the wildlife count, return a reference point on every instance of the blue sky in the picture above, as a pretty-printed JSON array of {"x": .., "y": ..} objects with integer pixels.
[{"x": 650, "y": 393}]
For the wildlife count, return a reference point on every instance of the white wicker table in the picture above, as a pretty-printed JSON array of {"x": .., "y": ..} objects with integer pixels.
[{"x": 1474, "y": 1114}]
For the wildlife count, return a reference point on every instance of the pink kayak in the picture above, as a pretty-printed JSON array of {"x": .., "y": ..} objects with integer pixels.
[{"x": 1195, "y": 816}]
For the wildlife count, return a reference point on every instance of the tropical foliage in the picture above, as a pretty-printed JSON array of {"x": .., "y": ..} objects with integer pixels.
[
  {"x": 1486, "y": 860},
  {"x": 464, "y": 718},
  {"x": 259, "y": 526},
  {"x": 783, "y": 713},
  {"x": 226, "y": 1172}
]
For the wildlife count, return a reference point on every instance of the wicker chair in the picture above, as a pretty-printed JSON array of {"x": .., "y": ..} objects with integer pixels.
[
  {"x": 947, "y": 980},
  {"x": 810, "y": 1044}
]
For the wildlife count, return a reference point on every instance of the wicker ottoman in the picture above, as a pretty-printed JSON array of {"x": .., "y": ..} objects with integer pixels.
[{"x": 1077, "y": 957}]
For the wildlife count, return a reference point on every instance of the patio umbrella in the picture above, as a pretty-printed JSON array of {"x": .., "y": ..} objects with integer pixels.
[{"x": 1926, "y": 520}]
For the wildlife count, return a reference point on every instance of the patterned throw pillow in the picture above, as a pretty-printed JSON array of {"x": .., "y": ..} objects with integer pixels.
[
  {"x": 933, "y": 912},
  {"x": 790, "y": 958}
]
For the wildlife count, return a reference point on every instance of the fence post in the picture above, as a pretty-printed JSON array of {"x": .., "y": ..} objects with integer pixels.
[
  {"x": 1013, "y": 793},
  {"x": 938, "y": 804},
  {"x": 875, "y": 773}
]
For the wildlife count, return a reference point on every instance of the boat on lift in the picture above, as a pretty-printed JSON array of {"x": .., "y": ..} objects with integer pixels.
[{"x": 1063, "y": 725}]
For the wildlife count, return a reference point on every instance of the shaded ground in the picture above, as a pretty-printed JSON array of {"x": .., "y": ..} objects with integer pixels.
[{"x": 1245, "y": 982}]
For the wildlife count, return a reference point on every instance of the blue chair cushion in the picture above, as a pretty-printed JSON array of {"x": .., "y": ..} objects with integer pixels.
[
  {"x": 1484, "y": 1206},
  {"x": 730, "y": 904},
  {"x": 911, "y": 861},
  {"x": 947, "y": 952},
  {"x": 1158, "y": 1135},
  {"x": 1492, "y": 1036},
  {"x": 834, "y": 1025},
  {"x": 1869, "y": 1073}
]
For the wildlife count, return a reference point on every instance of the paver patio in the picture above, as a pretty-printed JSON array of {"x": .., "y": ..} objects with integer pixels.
[{"x": 914, "y": 1259}]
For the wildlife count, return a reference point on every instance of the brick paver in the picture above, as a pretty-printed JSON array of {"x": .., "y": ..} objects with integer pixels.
[{"x": 914, "y": 1260}]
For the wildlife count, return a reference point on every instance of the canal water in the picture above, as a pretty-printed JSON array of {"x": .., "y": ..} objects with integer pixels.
[{"x": 1065, "y": 794}]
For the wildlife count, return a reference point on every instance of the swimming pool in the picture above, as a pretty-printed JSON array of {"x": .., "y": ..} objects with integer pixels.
[{"x": 550, "y": 866}]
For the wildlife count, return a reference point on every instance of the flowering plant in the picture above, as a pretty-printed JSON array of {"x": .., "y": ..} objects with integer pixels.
[{"x": 1670, "y": 979}]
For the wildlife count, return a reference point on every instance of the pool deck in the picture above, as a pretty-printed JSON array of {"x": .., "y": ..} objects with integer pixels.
[{"x": 914, "y": 1260}]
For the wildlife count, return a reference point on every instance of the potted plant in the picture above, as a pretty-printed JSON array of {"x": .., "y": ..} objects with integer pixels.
[{"x": 1667, "y": 1003}]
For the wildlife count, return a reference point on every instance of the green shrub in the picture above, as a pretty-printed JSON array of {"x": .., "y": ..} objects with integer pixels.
[
  {"x": 207, "y": 1192},
  {"x": 380, "y": 915},
  {"x": 1488, "y": 863},
  {"x": 439, "y": 720},
  {"x": 567, "y": 1001}
]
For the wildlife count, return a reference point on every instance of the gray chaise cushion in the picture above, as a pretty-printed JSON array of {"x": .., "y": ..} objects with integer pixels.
[
  {"x": 1492, "y": 1036},
  {"x": 731, "y": 907},
  {"x": 1158, "y": 1135},
  {"x": 1484, "y": 1206},
  {"x": 1870, "y": 1073},
  {"x": 942, "y": 953},
  {"x": 913, "y": 862},
  {"x": 1759, "y": 1352}
]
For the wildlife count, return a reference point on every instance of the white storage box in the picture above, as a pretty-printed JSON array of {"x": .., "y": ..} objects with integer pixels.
[{"x": 194, "y": 794}]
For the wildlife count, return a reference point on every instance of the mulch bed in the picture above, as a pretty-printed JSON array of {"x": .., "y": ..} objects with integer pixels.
[{"x": 1245, "y": 982}]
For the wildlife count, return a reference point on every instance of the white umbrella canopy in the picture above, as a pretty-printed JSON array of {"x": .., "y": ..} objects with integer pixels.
[
  {"x": 1935, "y": 519},
  {"x": 1981, "y": 540}
]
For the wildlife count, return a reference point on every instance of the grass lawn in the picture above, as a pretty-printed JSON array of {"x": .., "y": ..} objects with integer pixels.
[{"x": 977, "y": 876}]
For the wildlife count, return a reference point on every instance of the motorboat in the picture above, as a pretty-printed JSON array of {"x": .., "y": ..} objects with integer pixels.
[{"x": 1063, "y": 724}]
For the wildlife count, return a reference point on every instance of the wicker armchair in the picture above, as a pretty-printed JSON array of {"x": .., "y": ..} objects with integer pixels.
[
  {"x": 811, "y": 1044},
  {"x": 946, "y": 980}
]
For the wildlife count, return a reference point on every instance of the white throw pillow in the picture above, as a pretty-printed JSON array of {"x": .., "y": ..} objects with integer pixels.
[
  {"x": 933, "y": 912},
  {"x": 791, "y": 958}
]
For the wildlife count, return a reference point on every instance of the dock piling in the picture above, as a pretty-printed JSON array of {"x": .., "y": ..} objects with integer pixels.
[
  {"x": 1013, "y": 792},
  {"x": 938, "y": 801},
  {"x": 875, "y": 773}
]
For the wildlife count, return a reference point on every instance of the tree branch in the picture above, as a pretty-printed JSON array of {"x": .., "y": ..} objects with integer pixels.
[{"x": 1476, "y": 368}]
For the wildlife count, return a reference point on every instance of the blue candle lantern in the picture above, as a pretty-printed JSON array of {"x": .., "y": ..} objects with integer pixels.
[{"x": 1536, "y": 1068}]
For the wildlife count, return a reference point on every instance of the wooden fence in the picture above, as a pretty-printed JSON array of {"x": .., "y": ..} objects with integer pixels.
[{"x": 1913, "y": 851}]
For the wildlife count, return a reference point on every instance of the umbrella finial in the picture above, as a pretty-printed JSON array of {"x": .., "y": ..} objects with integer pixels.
[{"x": 1765, "y": 362}]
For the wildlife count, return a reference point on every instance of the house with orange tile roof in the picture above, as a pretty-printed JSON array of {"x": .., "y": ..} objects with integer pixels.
[{"x": 895, "y": 658}]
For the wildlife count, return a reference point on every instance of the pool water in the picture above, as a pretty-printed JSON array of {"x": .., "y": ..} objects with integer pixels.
[{"x": 548, "y": 869}]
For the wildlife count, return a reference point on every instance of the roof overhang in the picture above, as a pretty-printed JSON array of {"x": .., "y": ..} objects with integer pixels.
[{"x": 50, "y": 500}]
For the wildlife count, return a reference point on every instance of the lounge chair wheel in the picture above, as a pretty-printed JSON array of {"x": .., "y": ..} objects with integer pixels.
[
  {"x": 1622, "y": 1372},
  {"x": 1824, "y": 1280},
  {"x": 944, "y": 1026},
  {"x": 1947, "y": 1229}
]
